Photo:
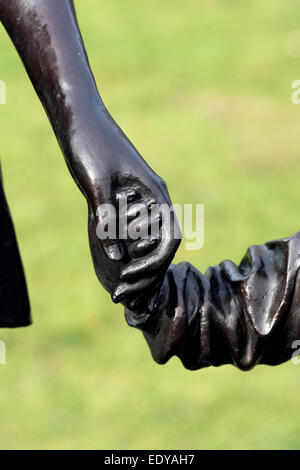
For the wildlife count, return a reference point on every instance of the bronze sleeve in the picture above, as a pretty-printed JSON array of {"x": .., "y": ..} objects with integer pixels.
[{"x": 241, "y": 315}]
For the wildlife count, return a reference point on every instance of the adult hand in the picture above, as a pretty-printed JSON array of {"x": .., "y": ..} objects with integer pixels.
[{"x": 115, "y": 167}]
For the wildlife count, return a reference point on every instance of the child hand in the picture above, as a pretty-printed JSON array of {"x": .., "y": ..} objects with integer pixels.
[{"x": 140, "y": 222}]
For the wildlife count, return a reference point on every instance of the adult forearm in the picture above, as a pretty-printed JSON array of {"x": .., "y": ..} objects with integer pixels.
[
  {"x": 99, "y": 155},
  {"x": 47, "y": 38}
]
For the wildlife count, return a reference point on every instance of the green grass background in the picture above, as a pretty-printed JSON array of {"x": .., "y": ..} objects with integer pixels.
[{"x": 203, "y": 89}]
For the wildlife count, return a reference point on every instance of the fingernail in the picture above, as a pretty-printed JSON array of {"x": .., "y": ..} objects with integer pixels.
[
  {"x": 117, "y": 294},
  {"x": 148, "y": 242},
  {"x": 150, "y": 202},
  {"x": 129, "y": 194},
  {"x": 114, "y": 252}
]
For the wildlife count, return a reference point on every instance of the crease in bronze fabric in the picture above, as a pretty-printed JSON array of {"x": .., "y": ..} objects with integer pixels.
[{"x": 242, "y": 315}]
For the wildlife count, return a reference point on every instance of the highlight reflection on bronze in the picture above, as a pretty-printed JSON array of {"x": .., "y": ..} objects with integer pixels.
[
  {"x": 99, "y": 156},
  {"x": 242, "y": 315}
]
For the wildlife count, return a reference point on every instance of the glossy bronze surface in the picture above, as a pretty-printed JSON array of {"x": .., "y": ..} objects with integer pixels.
[
  {"x": 242, "y": 315},
  {"x": 100, "y": 157},
  {"x": 14, "y": 303}
]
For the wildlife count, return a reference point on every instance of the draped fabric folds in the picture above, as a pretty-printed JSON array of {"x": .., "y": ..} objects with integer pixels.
[{"x": 241, "y": 315}]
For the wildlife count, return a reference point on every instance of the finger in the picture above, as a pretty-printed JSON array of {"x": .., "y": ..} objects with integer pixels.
[
  {"x": 126, "y": 290},
  {"x": 107, "y": 225},
  {"x": 141, "y": 248},
  {"x": 106, "y": 231},
  {"x": 128, "y": 195},
  {"x": 135, "y": 208},
  {"x": 124, "y": 197},
  {"x": 161, "y": 256},
  {"x": 145, "y": 226},
  {"x": 114, "y": 251}
]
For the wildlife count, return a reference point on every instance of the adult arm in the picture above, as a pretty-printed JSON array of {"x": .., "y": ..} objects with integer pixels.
[{"x": 98, "y": 154}]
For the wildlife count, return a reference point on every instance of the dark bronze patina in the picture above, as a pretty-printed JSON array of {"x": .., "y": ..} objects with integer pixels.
[
  {"x": 243, "y": 315},
  {"x": 14, "y": 302},
  {"x": 99, "y": 156}
]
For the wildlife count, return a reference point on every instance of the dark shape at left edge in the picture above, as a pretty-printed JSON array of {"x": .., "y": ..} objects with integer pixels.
[{"x": 14, "y": 300}]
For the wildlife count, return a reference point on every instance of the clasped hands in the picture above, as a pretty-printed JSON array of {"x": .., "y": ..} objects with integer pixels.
[{"x": 133, "y": 230}]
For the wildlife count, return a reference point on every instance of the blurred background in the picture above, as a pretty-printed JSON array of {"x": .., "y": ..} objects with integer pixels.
[{"x": 203, "y": 89}]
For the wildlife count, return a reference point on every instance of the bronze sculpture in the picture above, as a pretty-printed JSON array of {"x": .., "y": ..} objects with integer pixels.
[
  {"x": 14, "y": 302},
  {"x": 99, "y": 156},
  {"x": 241, "y": 315}
]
